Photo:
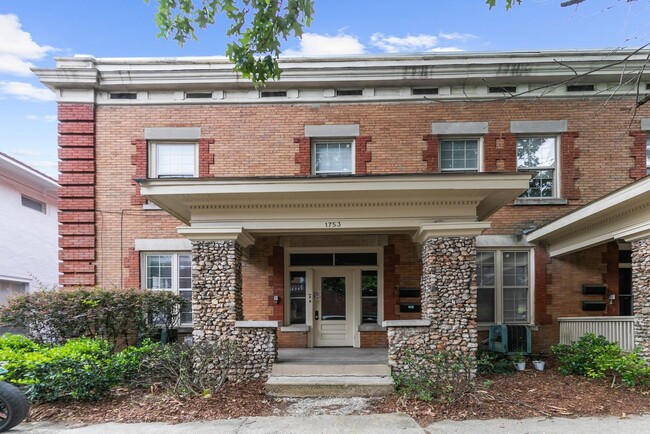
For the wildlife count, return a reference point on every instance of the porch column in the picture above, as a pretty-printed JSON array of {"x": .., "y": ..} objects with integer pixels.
[
  {"x": 449, "y": 293},
  {"x": 217, "y": 305},
  {"x": 641, "y": 295}
]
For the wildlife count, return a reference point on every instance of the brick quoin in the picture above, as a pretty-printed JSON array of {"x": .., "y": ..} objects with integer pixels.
[
  {"x": 430, "y": 154},
  {"x": 132, "y": 269},
  {"x": 276, "y": 281},
  {"x": 139, "y": 160},
  {"x": 638, "y": 152},
  {"x": 610, "y": 277},
  {"x": 303, "y": 156},
  {"x": 77, "y": 192},
  {"x": 206, "y": 158},
  {"x": 362, "y": 156},
  {"x": 569, "y": 172},
  {"x": 499, "y": 152},
  {"x": 543, "y": 297},
  {"x": 391, "y": 282}
]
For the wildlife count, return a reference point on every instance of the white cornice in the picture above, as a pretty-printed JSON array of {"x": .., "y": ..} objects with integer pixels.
[{"x": 479, "y": 70}]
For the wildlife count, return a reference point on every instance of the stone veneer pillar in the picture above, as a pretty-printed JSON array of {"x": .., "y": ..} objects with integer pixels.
[
  {"x": 449, "y": 293},
  {"x": 217, "y": 308},
  {"x": 641, "y": 295}
]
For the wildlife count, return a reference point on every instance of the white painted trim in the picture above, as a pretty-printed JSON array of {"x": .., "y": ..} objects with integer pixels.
[
  {"x": 163, "y": 244},
  {"x": 459, "y": 128},
  {"x": 325, "y": 131},
  {"x": 257, "y": 324},
  {"x": 217, "y": 233},
  {"x": 407, "y": 323},
  {"x": 172, "y": 133},
  {"x": 450, "y": 229},
  {"x": 295, "y": 328}
]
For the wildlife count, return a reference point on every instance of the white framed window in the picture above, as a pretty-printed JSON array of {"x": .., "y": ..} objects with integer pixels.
[
  {"x": 162, "y": 271},
  {"x": 332, "y": 156},
  {"x": 11, "y": 288},
  {"x": 173, "y": 160},
  {"x": 460, "y": 155},
  {"x": 504, "y": 286},
  {"x": 34, "y": 204},
  {"x": 539, "y": 154}
]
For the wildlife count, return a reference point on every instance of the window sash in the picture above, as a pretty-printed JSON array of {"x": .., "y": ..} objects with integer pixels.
[
  {"x": 170, "y": 272},
  {"x": 539, "y": 154},
  {"x": 173, "y": 160},
  {"x": 504, "y": 286},
  {"x": 459, "y": 155},
  {"x": 647, "y": 156},
  {"x": 333, "y": 157}
]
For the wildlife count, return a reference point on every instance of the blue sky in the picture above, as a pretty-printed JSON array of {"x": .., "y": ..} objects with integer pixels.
[{"x": 33, "y": 32}]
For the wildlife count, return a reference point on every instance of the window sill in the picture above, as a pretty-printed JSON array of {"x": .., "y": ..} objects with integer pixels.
[
  {"x": 486, "y": 326},
  {"x": 368, "y": 327},
  {"x": 295, "y": 328},
  {"x": 541, "y": 201}
]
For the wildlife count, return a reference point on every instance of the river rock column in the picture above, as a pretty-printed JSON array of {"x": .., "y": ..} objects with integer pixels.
[
  {"x": 449, "y": 293},
  {"x": 641, "y": 295},
  {"x": 216, "y": 288}
]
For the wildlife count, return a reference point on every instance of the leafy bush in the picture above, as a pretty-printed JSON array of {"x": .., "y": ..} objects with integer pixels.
[
  {"x": 441, "y": 376},
  {"x": 492, "y": 362},
  {"x": 81, "y": 369},
  {"x": 193, "y": 369},
  {"x": 119, "y": 316},
  {"x": 595, "y": 357}
]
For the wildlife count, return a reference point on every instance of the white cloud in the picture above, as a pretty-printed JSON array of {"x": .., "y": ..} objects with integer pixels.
[
  {"x": 17, "y": 47},
  {"x": 26, "y": 152},
  {"x": 422, "y": 42},
  {"x": 396, "y": 44},
  {"x": 313, "y": 44},
  {"x": 45, "y": 118},
  {"x": 44, "y": 164},
  {"x": 25, "y": 91},
  {"x": 456, "y": 36}
]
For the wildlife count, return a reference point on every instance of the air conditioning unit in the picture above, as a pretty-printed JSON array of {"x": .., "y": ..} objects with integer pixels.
[{"x": 509, "y": 338}]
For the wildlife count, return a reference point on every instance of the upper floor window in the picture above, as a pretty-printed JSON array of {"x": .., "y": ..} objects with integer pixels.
[
  {"x": 173, "y": 160},
  {"x": 504, "y": 293},
  {"x": 170, "y": 272},
  {"x": 333, "y": 157},
  {"x": 34, "y": 204},
  {"x": 539, "y": 154},
  {"x": 459, "y": 155}
]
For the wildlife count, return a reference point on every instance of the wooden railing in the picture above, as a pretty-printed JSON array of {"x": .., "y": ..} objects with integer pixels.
[{"x": 615, "y": 328}]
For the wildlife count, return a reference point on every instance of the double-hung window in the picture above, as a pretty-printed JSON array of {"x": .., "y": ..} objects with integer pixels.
[
  {"x": 173, "y": 160},
  {"x": 539, "y": 154},
  {"x": 459, "y": 155},
  {"x": 171, "y": 272},
  {"x": 332, "y": 157},
  {"x": 504, "y": 286}
]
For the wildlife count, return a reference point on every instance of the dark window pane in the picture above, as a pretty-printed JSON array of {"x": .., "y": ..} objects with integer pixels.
[
  {"x": 298, "y": 311},
  {"x": 625, "y": 281},
  {"x": 369, "y": 310},
  {"x": 485, "y": 302},
  {"x": 409, "y": 292},
  {"x": 369, "y": 284},
  {"x": 625, "y": 256},
  {"x": 355, "y": 259},
  {"x": 186, "y": 312},
  {"x": 333, "y": 298},
  {"x": 311, "y": 259}
]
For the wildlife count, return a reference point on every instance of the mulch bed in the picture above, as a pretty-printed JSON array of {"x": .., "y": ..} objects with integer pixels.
[{"x": 515, "y": 396}]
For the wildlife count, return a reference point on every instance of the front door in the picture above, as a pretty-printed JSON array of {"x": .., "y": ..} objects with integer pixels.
[{"x": 333, "y": 319}]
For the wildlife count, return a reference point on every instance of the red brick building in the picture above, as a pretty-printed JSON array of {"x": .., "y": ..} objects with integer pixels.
[{"x": 356, "y": 192}]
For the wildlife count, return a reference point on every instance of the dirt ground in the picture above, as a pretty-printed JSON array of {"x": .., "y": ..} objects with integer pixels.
[{"x": 514, "y": 396}]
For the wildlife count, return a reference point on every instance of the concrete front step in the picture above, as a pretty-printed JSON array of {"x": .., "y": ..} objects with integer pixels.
[
  {"x": 312, "y": 386},
  {"x": 335, "y": 370}
]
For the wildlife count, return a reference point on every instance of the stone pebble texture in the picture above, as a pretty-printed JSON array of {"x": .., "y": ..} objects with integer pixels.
[
  {"x": 217, "y": 304},
  {"x": 449, "y": 295},
  {"x": 641, "y": 295}
]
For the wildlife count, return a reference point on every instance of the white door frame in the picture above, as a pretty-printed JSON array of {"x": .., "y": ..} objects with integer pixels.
[{"x": 343, "y": 328}]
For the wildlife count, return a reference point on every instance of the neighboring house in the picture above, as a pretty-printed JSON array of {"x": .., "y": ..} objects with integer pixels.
[
  {"x": 362, "y": 201},
  {"x": 29, "y": 257}
]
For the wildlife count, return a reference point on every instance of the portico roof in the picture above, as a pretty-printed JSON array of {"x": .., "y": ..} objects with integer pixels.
[
  {"x": 452, "y": 204},
  {"x": 621, "y": 215}
]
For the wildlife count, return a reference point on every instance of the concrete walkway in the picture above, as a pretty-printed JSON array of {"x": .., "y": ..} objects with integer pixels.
[{"x": 375, "y": 424}]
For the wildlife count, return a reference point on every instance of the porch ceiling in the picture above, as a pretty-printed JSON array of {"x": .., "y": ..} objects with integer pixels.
[
  {"x": 367, "y": 203},
  {"x": 621, "y": 215}
]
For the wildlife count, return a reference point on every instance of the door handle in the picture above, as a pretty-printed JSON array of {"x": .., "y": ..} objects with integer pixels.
[{"x": 316, "y": 315}]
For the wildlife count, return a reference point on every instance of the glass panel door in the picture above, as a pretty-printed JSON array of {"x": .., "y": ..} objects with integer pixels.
[{"x": 333, "y": 298}]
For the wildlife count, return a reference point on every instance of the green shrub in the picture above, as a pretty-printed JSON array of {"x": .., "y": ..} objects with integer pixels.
[
  {"x": 120, "y": 316},
  {"x": 81, "y": 369},
  {"x": 442, "y": 376},
  {"x": 492, "y": 362},
  {"x": 595, "y": 357}
]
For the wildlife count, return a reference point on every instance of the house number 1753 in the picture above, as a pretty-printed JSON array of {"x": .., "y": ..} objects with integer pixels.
[{"x": 332, "y": 224}]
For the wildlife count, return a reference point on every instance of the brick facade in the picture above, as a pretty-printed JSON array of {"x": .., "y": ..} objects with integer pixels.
[{"x": 102, "y": 150}]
